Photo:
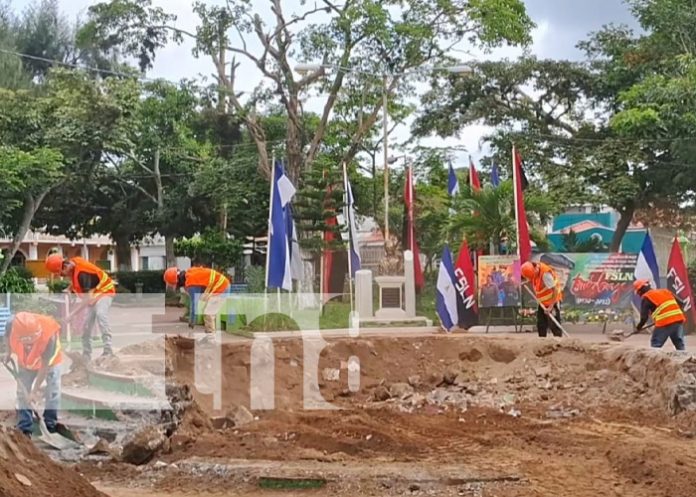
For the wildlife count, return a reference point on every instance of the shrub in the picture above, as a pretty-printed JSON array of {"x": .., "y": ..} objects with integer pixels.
[
  {"x": 23, "y": 272},
  {"x": 152, "y": 281},
  {"x": 255, "y": 277},
  {"x": 57, "y": 285},
  {"x": 15, "y": 280},
  {"x": 211, "y": 248}
]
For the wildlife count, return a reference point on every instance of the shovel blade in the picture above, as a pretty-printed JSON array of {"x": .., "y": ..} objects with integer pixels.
[{"x": 55, "y": 440}]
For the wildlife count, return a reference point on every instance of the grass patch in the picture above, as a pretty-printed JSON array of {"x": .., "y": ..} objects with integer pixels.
[{"x": 270, "y": 483}]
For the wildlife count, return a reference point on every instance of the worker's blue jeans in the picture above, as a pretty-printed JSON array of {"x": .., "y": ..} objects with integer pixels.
[
  {"x": 675, "y": 332},
  {"x": 25, "y": 416}
]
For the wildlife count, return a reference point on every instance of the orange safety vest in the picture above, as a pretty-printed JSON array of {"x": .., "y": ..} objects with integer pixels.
[
  {"x": 213, "y": 281},
  {"x": 668, "y": 310},
  {"x": 33, "y": 360},
  {"x": 106, "y": 284},
  {"x": 546, "y": 296}
]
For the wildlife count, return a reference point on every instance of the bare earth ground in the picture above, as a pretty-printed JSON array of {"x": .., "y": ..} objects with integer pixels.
[{"x": 485, "y": 416}]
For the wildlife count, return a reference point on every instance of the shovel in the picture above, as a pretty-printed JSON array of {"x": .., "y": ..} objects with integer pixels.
[
  {"x": 549, "y": 314},
  {"x": 55, "y": 440},
  {"x": 620, "y": 336}
]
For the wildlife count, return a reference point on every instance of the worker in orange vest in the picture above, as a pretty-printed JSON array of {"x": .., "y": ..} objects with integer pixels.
[
  {"x": 666, "y": 312},
  {"x": 96, "y": 289},
  {"x": 548, "y": 295},
  {"x": 34, "y": 339},
  {"x": 204, "y": 284}
]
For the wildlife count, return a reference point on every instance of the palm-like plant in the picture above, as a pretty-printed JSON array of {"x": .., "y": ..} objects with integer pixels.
[{"x": 486, "y": 217}]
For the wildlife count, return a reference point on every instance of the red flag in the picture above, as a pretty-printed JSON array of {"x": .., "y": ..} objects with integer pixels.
[
  {"x": 327, "y": 257},
  {"x": 474, "y": 180},
  {"x": 333, "y": 265},
  {"x": 409, "y": 238},
  {"x": 466, "y": 290},
  {"x": 678, "y": 280},
  {"x": 524, "y": 245}
]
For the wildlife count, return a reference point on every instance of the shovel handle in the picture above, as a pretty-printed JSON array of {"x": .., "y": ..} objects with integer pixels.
[{"x": 549, "y": 314}]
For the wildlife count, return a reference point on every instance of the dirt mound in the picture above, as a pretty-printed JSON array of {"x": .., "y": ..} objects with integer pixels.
[
  {"x": 151, "y": 347},
  {"x": 25, "y": 471}
]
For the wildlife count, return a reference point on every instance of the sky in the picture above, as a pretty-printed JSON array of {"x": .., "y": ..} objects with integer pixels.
[{"x": 560, "y": 25}]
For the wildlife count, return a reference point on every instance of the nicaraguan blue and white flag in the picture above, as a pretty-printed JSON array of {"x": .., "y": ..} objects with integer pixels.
[
  {"x": 296, "y": 269},
  {"x": 353, "y": 249},
  {"x": 646, "y": 267},
  {"x": 446, "y": 292},
  {"x": 495, "y": 176},
  {"x": 452, "y": 182},
  {"x": 279, "y": 272}
]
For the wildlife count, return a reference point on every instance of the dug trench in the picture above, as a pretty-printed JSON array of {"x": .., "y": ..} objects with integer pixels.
[{"x": 432, "y": 416}]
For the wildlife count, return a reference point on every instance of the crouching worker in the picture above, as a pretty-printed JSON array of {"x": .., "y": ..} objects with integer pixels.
[
  {"x": 202, "y": 284},
  {"x": 34, "y": 339},
  {"x": 546, "y": 289},
  {"x": 666, "y": 312}
]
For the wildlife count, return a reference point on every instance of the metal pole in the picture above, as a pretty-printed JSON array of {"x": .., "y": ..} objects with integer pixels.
[
  {"x": 385, "y": 124},
  {"x": 270, "y": 219},
  {"x": 348, "y": 220}
]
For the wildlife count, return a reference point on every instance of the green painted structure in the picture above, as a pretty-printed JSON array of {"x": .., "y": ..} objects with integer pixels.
[{"x": 593, "y": 224}]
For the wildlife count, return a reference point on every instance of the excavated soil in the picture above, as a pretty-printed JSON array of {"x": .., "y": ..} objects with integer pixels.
[
  {"x": 26, "y": 471},
  {"x": 528, "y": 417}
]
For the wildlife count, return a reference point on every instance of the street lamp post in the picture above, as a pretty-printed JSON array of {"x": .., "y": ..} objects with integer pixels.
[
  {"x": 456, "y": 69},
  {"x": 385, "y": 146}
]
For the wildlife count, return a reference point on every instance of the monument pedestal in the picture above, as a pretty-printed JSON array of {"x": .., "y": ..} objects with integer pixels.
[{"x": 391, "y": 297}]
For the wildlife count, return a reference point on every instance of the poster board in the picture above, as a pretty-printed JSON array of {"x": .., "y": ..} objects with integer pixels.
[
  {"x": 594, "y": 280},
  {"x": 499, "y": 281}
]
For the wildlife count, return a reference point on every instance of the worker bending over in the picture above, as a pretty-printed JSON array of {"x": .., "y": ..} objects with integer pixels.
[
  {"x": 96, "y": 289},
  {"x": 545, "y": 284},
  {"x": 204, "y": 284},
  {"x": 666, "y": 313},
  {"x": 34, "y": 339}
]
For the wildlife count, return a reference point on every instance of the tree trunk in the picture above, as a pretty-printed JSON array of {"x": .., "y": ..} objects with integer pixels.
[
  {"x": 31, "y": 205},
  {"x": 123, "y": 253},
  {"x": 170, "y": 256},
  {"x": 223, "y": 218},
  {"x": 626, "y": 216}
]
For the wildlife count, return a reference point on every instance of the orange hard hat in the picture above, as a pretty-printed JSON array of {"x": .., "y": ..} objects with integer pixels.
[
  {"x": 171, "y": 276},
  {"x": 528, "y": 270},
  {"x": 26, "y": 327},
  {"x": 54, "y": 263},
  {"x": 638, "y": 284}
]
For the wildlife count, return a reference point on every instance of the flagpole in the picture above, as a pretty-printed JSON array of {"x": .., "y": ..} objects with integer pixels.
[
  {"x": 270, "y": 220},
  {"x": 515, "y": 179},
  {"x": 321, "y": 275},
  {"x": 346, "y": 215},
  {"x": 268, "y": 242}
]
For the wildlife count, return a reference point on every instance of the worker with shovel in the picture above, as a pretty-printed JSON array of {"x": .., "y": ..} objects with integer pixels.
[
  {"x": 203, "y": 284},
  {"x": 34, "y": 339},
  {"x": 666, "y": 312},
  {"x": 96, "y": 289},
  {"x": 548, "y": 296}
]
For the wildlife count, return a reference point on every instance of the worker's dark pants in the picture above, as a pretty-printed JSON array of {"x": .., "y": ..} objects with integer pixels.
[
  {"x": 544, "y": 322},
  {"x": 674, "y": 332},
  {"x": 25, "y": 417}
]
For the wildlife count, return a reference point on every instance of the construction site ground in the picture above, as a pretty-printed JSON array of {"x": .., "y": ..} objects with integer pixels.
[{"x": 463, "y": 415}]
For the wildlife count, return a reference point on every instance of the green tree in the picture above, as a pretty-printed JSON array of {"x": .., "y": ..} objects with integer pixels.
[
  {"x": 572, "y": 244},
  {"x": 378, "y": 37},
  {"x": 53, "y": 136},
  {"x": 486, "y": 218},
  {"x": 211, "y": 248},
  {"x": 578, "y": 155}
]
